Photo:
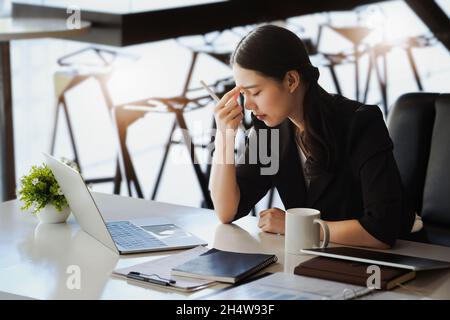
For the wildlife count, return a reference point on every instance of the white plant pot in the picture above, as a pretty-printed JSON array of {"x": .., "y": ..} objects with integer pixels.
[{"x": 49, "y": 214}]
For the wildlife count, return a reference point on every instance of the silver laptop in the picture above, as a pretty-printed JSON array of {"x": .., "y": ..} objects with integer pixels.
[{"x": 123, "y": 237}]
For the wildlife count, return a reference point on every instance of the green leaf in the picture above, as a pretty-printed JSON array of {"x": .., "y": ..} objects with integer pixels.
[{"x": 39, "y": 188}]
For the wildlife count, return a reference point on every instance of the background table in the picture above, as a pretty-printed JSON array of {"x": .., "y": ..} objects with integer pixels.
[
  {"x": 34, "y": 258},
  {"x": 14, "y": 29},
  {"x": 145, "y": 21}
]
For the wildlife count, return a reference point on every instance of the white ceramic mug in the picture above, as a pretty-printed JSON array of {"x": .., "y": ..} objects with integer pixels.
[{"x": 302, "y": 230}]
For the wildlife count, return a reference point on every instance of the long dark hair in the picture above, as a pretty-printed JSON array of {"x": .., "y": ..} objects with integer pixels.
[{"x": 273, "y": 51}]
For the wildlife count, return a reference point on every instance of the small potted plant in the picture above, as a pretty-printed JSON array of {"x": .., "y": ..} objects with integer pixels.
[{"x": 40, "y": 191}]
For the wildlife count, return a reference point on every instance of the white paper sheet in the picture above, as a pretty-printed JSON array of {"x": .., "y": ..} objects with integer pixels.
[{"x": 286, "y": 286}]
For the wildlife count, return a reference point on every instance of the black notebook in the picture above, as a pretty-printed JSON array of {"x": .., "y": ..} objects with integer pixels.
[{"x": 224, "y": 266}]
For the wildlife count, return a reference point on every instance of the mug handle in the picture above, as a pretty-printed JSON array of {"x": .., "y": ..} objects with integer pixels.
[{"x": 326, "y": 232}]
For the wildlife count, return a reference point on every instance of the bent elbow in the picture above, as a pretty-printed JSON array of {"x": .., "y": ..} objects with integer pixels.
[
  {"x": 378, "y": 244},
  {"x": 225, "y": 213},
  {"x": 383, "y": 246},
  {"x": 225, "y": 217},
  {"x": 225, "y": 220}
]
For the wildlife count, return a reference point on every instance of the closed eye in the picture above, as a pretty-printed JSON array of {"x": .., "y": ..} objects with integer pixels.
[{"x": 256, "y": 94}]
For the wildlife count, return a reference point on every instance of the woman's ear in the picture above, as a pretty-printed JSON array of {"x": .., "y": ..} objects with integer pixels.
[{"x": 292, "y": 79}]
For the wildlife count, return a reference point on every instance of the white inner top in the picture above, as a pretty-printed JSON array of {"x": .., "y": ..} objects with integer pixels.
[{"x": 303, "y": 161}]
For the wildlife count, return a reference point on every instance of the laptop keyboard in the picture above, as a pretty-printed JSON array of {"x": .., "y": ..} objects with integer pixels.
[{"x": 130, "y": 237}]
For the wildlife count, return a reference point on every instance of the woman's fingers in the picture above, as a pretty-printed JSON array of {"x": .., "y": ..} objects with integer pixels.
[
  {"x": 263, "y": 219},
  {"x": 260, "y": 224},
  {"x": 230, "y": 95},
  {"x": 227, "y": 112},
  {"x": 262, "y": 213},
  {"x": 222, "y": 113},
  {"x": 237, "y": 119},
  {"x": 233, "y": 114},
  {"x": 272, "y": 220},
  {"x": 265, "y": 212},
  {"x": 265, "y": 225},
  {"x": 231, "y": 103}
]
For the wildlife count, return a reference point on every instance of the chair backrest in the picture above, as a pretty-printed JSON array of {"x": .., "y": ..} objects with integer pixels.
[{"x": 419, "y": 125}]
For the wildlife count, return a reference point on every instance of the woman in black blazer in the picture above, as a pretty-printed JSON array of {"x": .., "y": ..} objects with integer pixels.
[{"x": 327, "y": 152}]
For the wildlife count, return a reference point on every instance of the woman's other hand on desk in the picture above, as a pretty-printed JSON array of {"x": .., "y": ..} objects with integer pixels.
[
  {"x": 272, "y": 220},
  {"x": 345, "y": 232}
]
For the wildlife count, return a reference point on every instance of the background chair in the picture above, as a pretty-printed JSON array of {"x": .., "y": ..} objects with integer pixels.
[
  {"x": 381, "y": 50},
  {"x": 355, "y": 35},
  {"x": 418, "y": 125},
  {"x": 190, "y": 99},
  {"x": 76, "y": 68},
  {"x": 127, "y": 114}
]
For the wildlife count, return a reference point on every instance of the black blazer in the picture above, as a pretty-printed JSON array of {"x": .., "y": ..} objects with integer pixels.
[{"x": 366, "y": 186}]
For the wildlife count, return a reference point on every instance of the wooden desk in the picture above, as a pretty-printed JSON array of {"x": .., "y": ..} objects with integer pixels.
[
  {"x": 14, "y": 29},
  {"x": 34, "y": 258}
]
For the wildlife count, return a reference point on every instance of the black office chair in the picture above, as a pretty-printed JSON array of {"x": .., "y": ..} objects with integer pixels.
[{"x": 418, "y": 125}]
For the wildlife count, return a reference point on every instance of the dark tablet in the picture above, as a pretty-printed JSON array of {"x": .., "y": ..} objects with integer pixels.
[{"x": 380, "y": 258}]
